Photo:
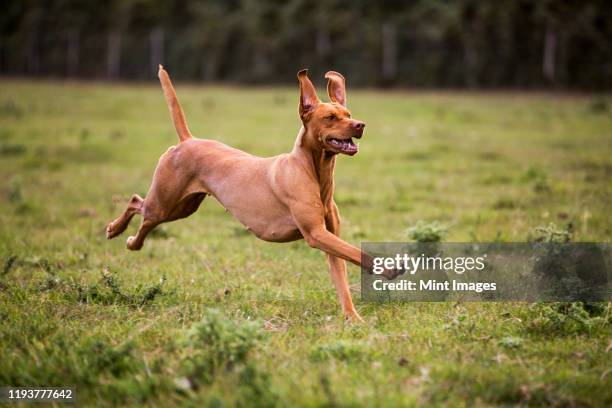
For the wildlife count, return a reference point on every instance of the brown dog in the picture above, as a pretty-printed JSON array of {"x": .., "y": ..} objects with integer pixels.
[{"x": 279, "y": 199}]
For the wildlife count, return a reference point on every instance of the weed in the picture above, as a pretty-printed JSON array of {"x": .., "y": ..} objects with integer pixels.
[
  {"x": 11, "y": 109},
  {"x": 255, "y": 387},
  {"x": 15, "y": 193},
  {"x": 599, "y": 105},
  {"x": 116, "y": 134},
  {"x": 505, "y": 204},
  {"x": 461, "y": 326},
  {"x": 217, "y": 344},
  {"x": 115, "y": 372},
  {"x": 7, "y": 149},
  {"x": 570, "y": 318},
  {"x": 551, "y": 233},
  {"x": 343, "y": 350},
  {"x": 418, "y": 155},
  {"x": 327, "y": 390},
  {"x": 539, "y": 178},
  {"x": 107, "y": 291},
  {"x": 16, "y": 197},
  {"x": 510, "y": 342},
  {"x": 564, "y": 317},
  {"x": 427, "y": 232},
  {"x": 8, "y": 264},
  {"x": 490, "y": 155}
]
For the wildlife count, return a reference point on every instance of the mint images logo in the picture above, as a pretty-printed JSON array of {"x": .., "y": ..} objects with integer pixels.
[{"x": 488, "y": 272}]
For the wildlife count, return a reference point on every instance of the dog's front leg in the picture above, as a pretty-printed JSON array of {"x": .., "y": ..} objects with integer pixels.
[
  {"x": 315, "y": 224},
  {"x": 310, "y": 219},
  {"x": 337, "y": 268}
]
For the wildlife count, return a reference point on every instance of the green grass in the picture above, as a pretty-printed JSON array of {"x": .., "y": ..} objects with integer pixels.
[{"x": 76, "y": 309}]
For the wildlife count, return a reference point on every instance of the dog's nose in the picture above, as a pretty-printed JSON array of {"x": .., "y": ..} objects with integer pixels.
[{"x": 358, "y": 125}]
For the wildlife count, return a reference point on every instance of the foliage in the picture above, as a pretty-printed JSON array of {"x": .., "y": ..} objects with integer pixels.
[
  {"x": 427, "y": 232},
  {"x": 216, "y": 344},
  {"x": 109, "y": 290},
  {"x": 567, "y": 318},
  {"x": 460, "y": 43},
  {"x": 44, "y": 350},
  {"x": 539, "y": 178},
  {"x": 551, "y": 233},
  {"x": 511, "y": 342}
]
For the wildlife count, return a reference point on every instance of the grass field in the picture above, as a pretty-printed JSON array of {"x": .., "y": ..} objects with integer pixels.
[{"x": 76, "y": 309}]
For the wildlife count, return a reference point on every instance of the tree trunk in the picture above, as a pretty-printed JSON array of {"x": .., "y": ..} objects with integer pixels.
[
  {"x": 113, "y": 61},
  {"x": 470, "y": 59},
  {"x": 72, "y": 53},
  {"x": 261, "y": 65},
  {"x": 209, "y": 65},
  {"x": 156, "y": 38},
  {"x": 472, "y": 33},
  {"x": 322, "y": 44},
  {"x": 548, "y": 59},
  {"x": 33, "y": 55},
  {"x": 389, "y": 52},
  {"x": 2, "y": 63}
]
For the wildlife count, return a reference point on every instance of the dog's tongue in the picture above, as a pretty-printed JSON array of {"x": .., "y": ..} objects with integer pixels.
[
  {"x": 349, "y": 146},
  {"x": 345, "y": 145}
]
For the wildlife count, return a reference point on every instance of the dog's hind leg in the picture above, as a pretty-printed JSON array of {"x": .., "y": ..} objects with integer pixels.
[
  {"x": 153, "y": 210},
  {"x": 155, "y": 214},
  {"x": 119, "y": 225},
  {"x": 135, "y": 243}
]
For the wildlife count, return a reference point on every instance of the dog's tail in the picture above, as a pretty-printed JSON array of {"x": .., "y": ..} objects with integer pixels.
[{"x": 178, "y": 117}]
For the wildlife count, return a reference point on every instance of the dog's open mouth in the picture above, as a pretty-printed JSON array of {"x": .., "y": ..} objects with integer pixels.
[{"x": 346, "y": 146}]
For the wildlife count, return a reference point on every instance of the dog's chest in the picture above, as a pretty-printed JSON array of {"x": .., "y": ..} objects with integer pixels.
[{"x": 281, "y": 229}]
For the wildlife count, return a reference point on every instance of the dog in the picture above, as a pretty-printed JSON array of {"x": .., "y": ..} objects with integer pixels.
[{"x": 279, "y": 199}]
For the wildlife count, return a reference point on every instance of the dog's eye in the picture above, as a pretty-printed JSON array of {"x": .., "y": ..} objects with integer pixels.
[{"x": 332, "y": 117}]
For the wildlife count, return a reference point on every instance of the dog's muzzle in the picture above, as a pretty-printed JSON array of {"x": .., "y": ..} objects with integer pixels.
[{"x": 358, "y": 127}]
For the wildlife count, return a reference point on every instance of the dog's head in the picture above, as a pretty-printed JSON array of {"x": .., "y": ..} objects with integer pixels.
[{"x": 329, "y": 124}]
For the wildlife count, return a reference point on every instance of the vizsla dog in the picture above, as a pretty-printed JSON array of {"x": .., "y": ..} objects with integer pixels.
[{"x": 279, "y": 199}]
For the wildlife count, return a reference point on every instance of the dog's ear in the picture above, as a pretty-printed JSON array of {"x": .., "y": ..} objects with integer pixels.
[
  {"x": 308, "y": 94},
  {"x": 336, "y": 87}
]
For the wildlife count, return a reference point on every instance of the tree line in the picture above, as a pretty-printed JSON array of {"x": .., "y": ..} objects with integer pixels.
[{"x": 421, "y": 43}]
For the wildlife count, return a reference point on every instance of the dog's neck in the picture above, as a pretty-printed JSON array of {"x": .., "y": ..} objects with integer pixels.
[{"x": 318, "y": 161}]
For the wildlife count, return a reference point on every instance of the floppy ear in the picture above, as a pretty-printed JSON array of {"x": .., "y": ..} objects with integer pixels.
[
  {"x": 308, "y": 95},
  {"x": 336, "y": 88}
]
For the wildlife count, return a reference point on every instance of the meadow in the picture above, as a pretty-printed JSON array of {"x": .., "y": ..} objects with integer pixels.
[{"x": 207, "y": 315}]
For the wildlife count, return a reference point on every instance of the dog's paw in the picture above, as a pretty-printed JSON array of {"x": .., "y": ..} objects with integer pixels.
[
  {"x": 353, "y": 318},
  {"x": 114, "y": 229},
  {"x": 129, "y": 243},
  {"x": 109, "y": 231}
]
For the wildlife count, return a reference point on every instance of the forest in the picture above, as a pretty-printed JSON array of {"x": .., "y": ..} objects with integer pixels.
[{"x": 515, "y": 44}]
